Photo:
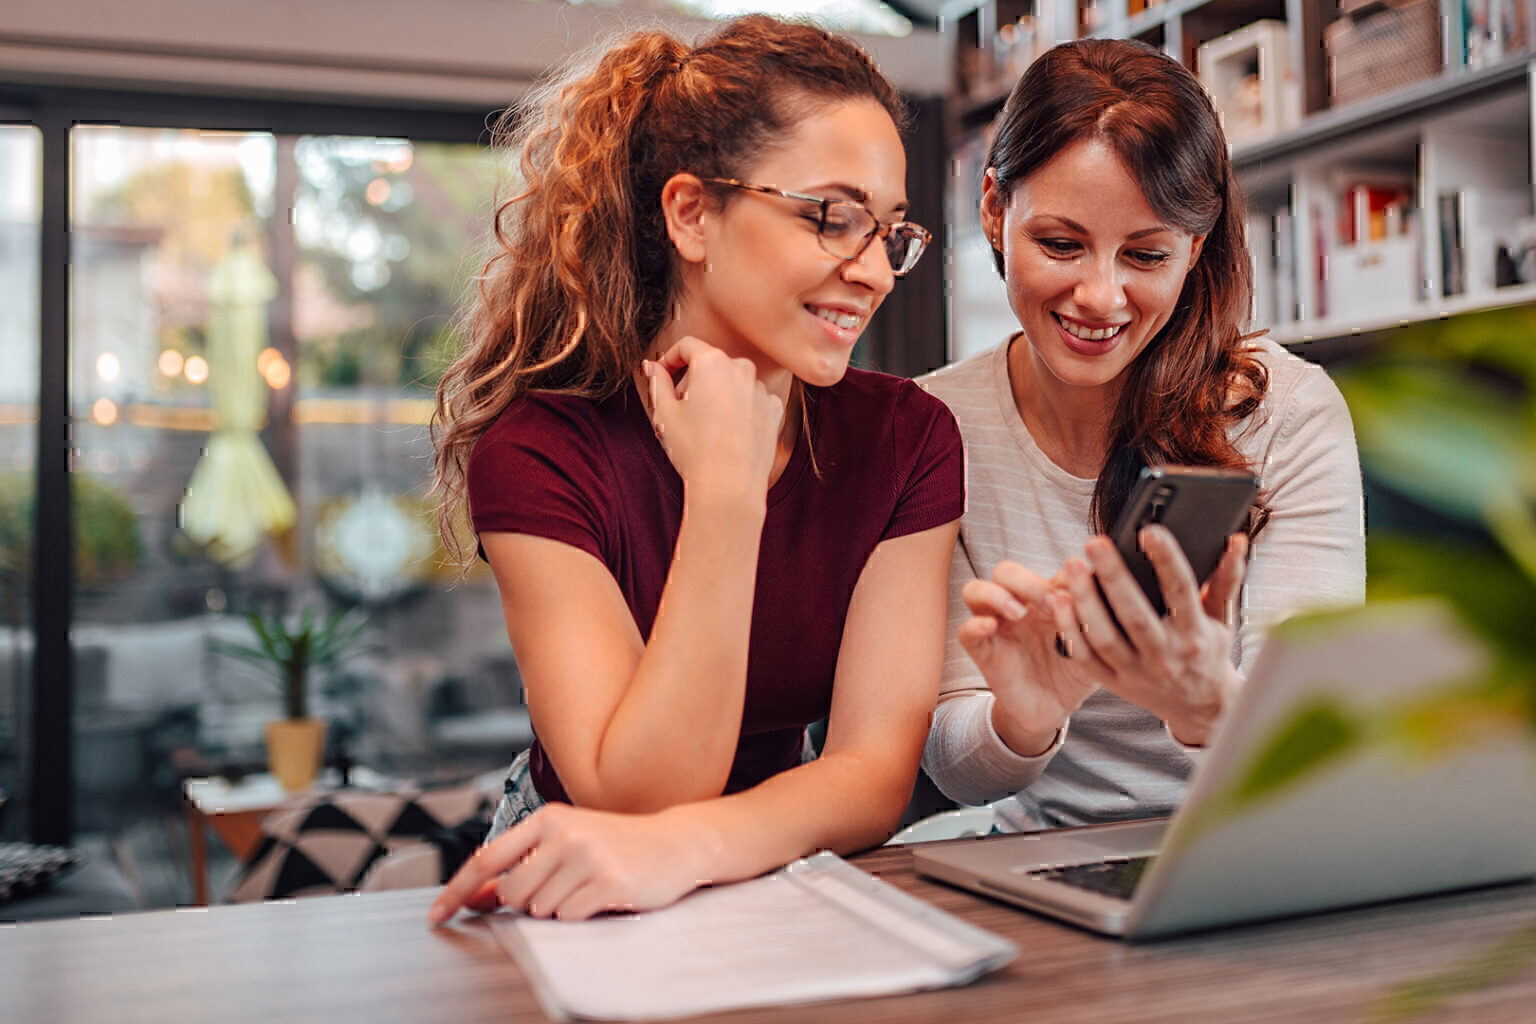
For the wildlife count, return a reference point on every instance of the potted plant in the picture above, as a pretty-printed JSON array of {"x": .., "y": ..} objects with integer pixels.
[{"x": 296, "y": 742}]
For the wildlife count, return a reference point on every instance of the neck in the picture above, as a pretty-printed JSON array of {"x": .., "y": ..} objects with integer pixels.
[{"x": 1070, "y": 424}]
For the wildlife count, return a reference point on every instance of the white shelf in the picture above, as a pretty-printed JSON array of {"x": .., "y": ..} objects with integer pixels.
[{"x": 1339, "y": 327}]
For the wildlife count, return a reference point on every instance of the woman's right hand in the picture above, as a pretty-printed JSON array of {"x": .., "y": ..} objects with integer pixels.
[
  {"x": 718, "y": 424},
  {"x": 1012, "y": 637},
  {"x": 571, "y": 863}
]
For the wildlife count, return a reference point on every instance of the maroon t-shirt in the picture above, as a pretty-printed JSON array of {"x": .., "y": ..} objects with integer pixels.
[{"x": 592, "y": 475}]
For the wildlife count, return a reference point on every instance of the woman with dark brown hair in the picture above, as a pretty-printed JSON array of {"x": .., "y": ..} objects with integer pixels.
[
  {"x": 707, "y": 531},
  {"x": 1116, "y": 222}
]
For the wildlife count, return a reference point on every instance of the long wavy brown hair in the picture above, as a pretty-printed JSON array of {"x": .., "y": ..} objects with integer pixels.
[
  {"x": 1198, "y": 377},
  {"x": 582, "y": 275}
]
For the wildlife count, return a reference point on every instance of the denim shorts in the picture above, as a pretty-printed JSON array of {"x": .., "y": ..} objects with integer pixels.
[{"x": 518, "y": 797}]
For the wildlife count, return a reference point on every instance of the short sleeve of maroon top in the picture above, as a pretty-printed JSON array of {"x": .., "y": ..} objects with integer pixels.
[{"x": 592, "y": 475}]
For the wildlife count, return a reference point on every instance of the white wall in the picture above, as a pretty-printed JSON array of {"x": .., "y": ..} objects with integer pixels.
[{"x": 480, "y": 53}]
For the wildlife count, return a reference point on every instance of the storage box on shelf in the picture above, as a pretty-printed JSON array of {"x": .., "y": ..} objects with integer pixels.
[{"x": 1381, "y": 45}]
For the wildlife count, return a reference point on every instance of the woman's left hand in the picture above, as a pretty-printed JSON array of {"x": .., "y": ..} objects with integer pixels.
[
  {"x": 572, "y": 863},
  {"x": 1178, "y": 666}
]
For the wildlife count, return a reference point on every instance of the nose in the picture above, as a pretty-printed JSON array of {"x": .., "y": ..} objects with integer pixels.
[
  {"x": 871, "y": 268},
  {"x": 1100, "y": 291}
]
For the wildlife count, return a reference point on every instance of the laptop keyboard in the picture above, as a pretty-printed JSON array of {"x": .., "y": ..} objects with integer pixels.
[{"x": 1116, "y": 877}]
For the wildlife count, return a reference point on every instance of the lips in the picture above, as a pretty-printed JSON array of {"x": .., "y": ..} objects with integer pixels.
[
  {"x": 1090, "y": 334},
  {"x": 838, "y": 318}
]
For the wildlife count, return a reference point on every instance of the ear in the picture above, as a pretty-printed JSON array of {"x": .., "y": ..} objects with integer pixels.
[
  {"x": 684, "y": 204},
  {"x": 992, "y": 209},
  {"x": 1195, "y": 245}
]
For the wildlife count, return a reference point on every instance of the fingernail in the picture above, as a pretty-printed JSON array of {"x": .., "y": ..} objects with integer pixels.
[
  {"x": 437, "y": 915},
  {"x": 1013, "y": 609}
]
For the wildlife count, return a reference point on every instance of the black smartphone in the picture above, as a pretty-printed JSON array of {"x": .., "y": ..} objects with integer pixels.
[{"x": 1201, "y": 507}]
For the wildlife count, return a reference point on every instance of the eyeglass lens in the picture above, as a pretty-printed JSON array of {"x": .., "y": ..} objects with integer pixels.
[{"x": 846, "y": 229}]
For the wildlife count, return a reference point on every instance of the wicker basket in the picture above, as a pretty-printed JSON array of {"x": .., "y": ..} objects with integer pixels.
[{"x": 1381, "y": 48}]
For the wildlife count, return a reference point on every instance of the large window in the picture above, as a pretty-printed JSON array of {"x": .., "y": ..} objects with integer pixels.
[
  {"x": 257, "y": 323},
  {"x": 20, "y": 202}
]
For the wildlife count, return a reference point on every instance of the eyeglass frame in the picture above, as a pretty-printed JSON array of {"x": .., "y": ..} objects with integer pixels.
[{"x": 882, "y": 229}]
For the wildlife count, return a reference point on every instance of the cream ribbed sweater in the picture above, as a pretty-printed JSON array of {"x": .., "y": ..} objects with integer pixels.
[{"x": 1117, "y": 760}]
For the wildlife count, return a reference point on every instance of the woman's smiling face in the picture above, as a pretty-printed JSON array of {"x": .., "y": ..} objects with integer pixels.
[
  {"x": 763, "y": 287},
  {"x": 1092, "y": 273}
]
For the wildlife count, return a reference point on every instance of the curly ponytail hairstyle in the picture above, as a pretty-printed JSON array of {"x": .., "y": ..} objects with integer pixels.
[
  {"x": 583, "y": 275},
  {"x": 1198, "y": 377}
]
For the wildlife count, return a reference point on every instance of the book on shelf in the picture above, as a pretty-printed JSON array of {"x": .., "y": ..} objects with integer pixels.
[
  {"x": 1451, "y": 210},
  {"x": 1260, "y": 229},
  {"x": 1285, "y": 266},
  {"x": 1375, "y": 211},
  {"x": 1493, "y": 30}
]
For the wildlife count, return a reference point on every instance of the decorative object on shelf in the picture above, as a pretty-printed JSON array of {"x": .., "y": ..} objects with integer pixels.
[
  {"x": 1248, "y": 74},
  {"x": 1516, "y": 263},
  {"x": 296, "y": 742},
  {"x": 1381, "y": 45}
]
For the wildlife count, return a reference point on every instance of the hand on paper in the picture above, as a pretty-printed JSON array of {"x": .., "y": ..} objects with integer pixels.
[
  {"x": 718, "y": 424},
  {"x": 572, "y": 863}
]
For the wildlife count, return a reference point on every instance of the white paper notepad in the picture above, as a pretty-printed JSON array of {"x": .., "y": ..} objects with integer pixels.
[{"x": 819, "y": 929}]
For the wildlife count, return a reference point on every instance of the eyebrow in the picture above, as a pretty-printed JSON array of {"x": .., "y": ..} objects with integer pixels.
[
  {"x": 1143, "y": 233},
  {"x": 855, "y": 193}
]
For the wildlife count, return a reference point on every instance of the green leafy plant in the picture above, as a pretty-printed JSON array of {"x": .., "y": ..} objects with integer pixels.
[
  {"x": 1445, "y": 415},
  {"x": 291, "y": 652}
]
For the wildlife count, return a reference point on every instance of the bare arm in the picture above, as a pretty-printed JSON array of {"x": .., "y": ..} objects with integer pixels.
[
  {"x": 572, "y": 863},
  {"x": 602, "y": 701}
]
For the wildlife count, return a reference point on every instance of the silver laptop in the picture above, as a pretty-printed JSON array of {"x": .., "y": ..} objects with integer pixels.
[{"x": 1347, "y": 771}]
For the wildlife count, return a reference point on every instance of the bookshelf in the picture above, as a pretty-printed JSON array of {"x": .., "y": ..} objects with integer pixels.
[{"x": 1388, "y": 170}]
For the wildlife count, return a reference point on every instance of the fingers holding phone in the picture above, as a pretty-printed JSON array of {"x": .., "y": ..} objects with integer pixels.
[
  {"x": 1157, "y": 600},
  {"x": 1011, "y": 637}
]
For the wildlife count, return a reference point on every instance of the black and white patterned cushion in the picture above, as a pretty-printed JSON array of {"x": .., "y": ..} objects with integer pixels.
[
  {"x": 325, "y": 844},
  {"x": 26, "y": 868}
]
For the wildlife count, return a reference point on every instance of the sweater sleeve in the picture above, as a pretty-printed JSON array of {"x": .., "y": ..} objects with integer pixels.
[
  {"x": 964, "y": 755},
  {"x": 1311, "y": 552}
]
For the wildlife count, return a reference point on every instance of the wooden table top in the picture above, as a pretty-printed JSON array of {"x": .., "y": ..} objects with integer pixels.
[{"x": 371, "y": 959}]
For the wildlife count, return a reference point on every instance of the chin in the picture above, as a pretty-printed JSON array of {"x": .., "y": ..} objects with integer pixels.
[{"x": 824, "y": 375}]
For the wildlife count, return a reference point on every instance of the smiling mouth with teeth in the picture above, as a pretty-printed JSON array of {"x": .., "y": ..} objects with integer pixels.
[
  {"x": 847, "y": 321},
  {"x": 1101, "y": 334}
]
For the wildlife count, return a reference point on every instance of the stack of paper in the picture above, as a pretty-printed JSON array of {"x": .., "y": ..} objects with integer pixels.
[{"x": 819, "y": 929}]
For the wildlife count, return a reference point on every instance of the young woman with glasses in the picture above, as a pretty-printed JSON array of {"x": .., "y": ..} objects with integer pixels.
[
  {"x": 707, "y": 531},
  {"x": 1116, "y": 223}
]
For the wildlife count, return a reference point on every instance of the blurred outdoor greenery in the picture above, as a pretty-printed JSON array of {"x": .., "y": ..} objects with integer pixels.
[{"x": 108, "y": 541}]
